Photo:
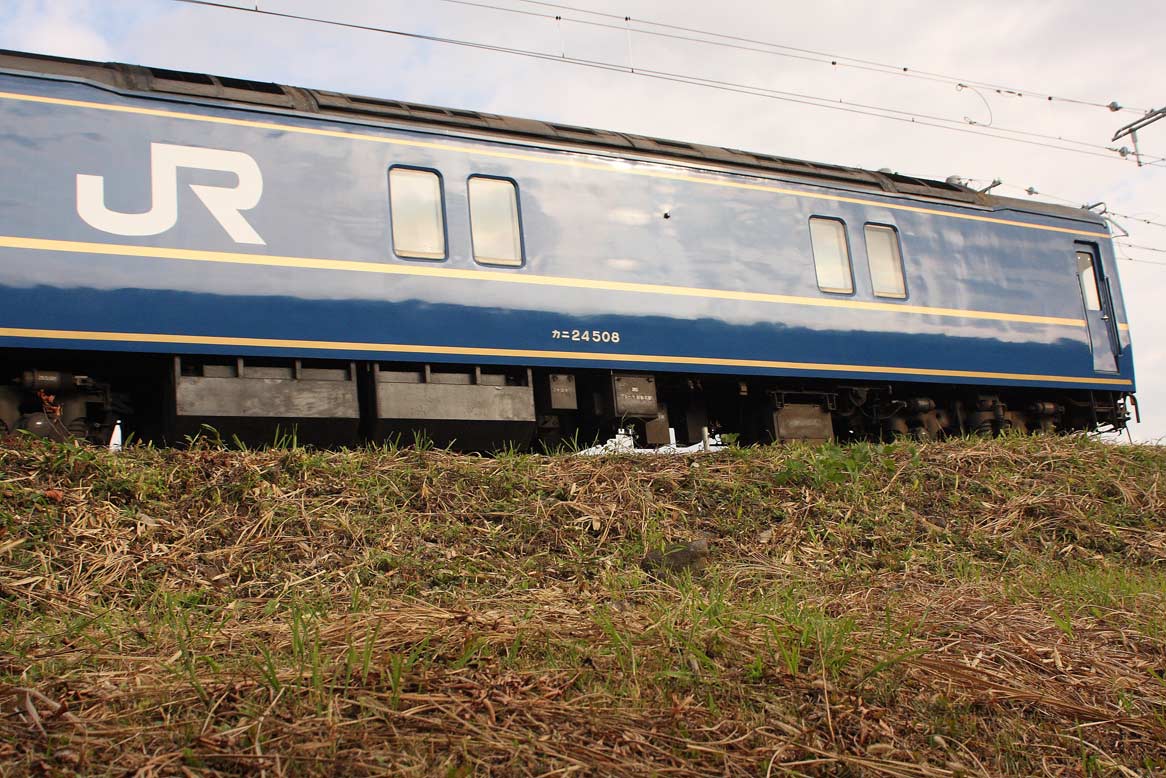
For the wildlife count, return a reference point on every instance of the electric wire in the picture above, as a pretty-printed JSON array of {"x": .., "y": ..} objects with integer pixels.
[
  {"x": 725, "y": 86},
  {"x": 1119, "y": 245},
  {"x": 1151, "y": 222},
  {"x": 1155, "y": 249},
  {"x": 959, "y": 85},
  {"x": 1126, "y": 258},
  {"x": 798, "y": 95},
  {"x": 836, "y": 59}
]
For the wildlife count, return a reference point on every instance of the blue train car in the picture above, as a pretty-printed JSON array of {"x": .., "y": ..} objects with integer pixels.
[{"x": 178, "y": 249}]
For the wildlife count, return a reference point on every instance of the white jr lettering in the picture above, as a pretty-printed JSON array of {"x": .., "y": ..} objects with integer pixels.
[{"x": 223, "y": 202}]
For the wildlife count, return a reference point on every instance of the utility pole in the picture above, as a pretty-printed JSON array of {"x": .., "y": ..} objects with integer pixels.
[{"x": 1132, "y": 128}]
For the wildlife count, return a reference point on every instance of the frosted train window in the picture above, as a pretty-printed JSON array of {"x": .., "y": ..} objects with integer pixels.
[
  {"x": 831, "y": 255},
  {"x": 885, "y": 260},
  {"x": 494, "y": 224},
  {"x": 417, "y": 212},
  {"x": 1088, "y": 281}
]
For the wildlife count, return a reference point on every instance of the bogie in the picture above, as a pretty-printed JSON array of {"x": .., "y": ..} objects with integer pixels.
[{"x": 170, "y": 399}]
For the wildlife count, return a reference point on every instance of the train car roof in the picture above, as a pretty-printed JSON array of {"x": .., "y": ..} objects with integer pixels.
[{"x": 201, "y": 85}]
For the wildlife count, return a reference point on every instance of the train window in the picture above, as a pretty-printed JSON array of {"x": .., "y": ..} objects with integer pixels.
[
  {"x": 1088, "y": 281},
  {"x": 417, "y": 213},
  {"x": 831, "y": 255},
  {"x": 885, "y": 261},
  {"x": 495, "y": 228}
]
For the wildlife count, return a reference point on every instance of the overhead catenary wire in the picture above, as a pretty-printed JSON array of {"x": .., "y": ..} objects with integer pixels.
[
  {"x": 1136, "y": 260},
  {"x": 1155, "y": 249},
  {"x": 1150, "y": 222},
  {"x": 835, "y": 60},
  {"x": 923, "y": 120},
  {"x": 623, "y": 28},
  {"x": 1128, "y": 217}
]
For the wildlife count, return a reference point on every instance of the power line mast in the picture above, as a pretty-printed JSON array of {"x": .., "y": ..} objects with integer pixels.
[{"x": 1132, "y": 128}]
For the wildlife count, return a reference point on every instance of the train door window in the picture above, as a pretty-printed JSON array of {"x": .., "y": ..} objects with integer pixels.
[
  {"x": 417, "y": 211},
  {"x": 495, "y": 225},
  {"x": 831, "y": 255},
  {"x": 1088, "y": 281},
  {"x": 885, "y": 260}
]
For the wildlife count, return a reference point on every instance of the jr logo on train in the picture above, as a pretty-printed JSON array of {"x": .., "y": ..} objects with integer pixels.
[{"x": 224, "y": 202}]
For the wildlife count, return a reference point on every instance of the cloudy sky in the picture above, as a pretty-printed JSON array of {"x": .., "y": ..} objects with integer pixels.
[{"x": 1064, "y": 48}]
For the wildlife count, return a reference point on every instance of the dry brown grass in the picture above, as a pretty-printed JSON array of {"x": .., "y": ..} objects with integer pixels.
[{"x": 965, "y": 608}]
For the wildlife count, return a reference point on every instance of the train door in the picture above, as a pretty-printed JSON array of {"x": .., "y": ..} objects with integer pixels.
[{"x": 1098, "y": 309}]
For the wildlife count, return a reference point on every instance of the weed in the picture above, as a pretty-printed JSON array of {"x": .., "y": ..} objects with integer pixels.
[{"x": 890, "y": 609}]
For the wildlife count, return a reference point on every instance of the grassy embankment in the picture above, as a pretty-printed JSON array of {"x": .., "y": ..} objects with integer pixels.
[{"x": 965, "y": 608}]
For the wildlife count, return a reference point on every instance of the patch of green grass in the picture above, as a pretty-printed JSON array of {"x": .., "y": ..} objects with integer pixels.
[{"x": 1131, "y": 595}]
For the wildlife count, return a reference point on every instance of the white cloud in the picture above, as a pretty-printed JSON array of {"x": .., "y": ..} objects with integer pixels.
[{"x": 66, "y": 29}]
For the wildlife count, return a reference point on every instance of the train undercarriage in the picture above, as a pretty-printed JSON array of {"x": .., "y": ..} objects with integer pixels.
[{"x": 170, "y": 399}]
